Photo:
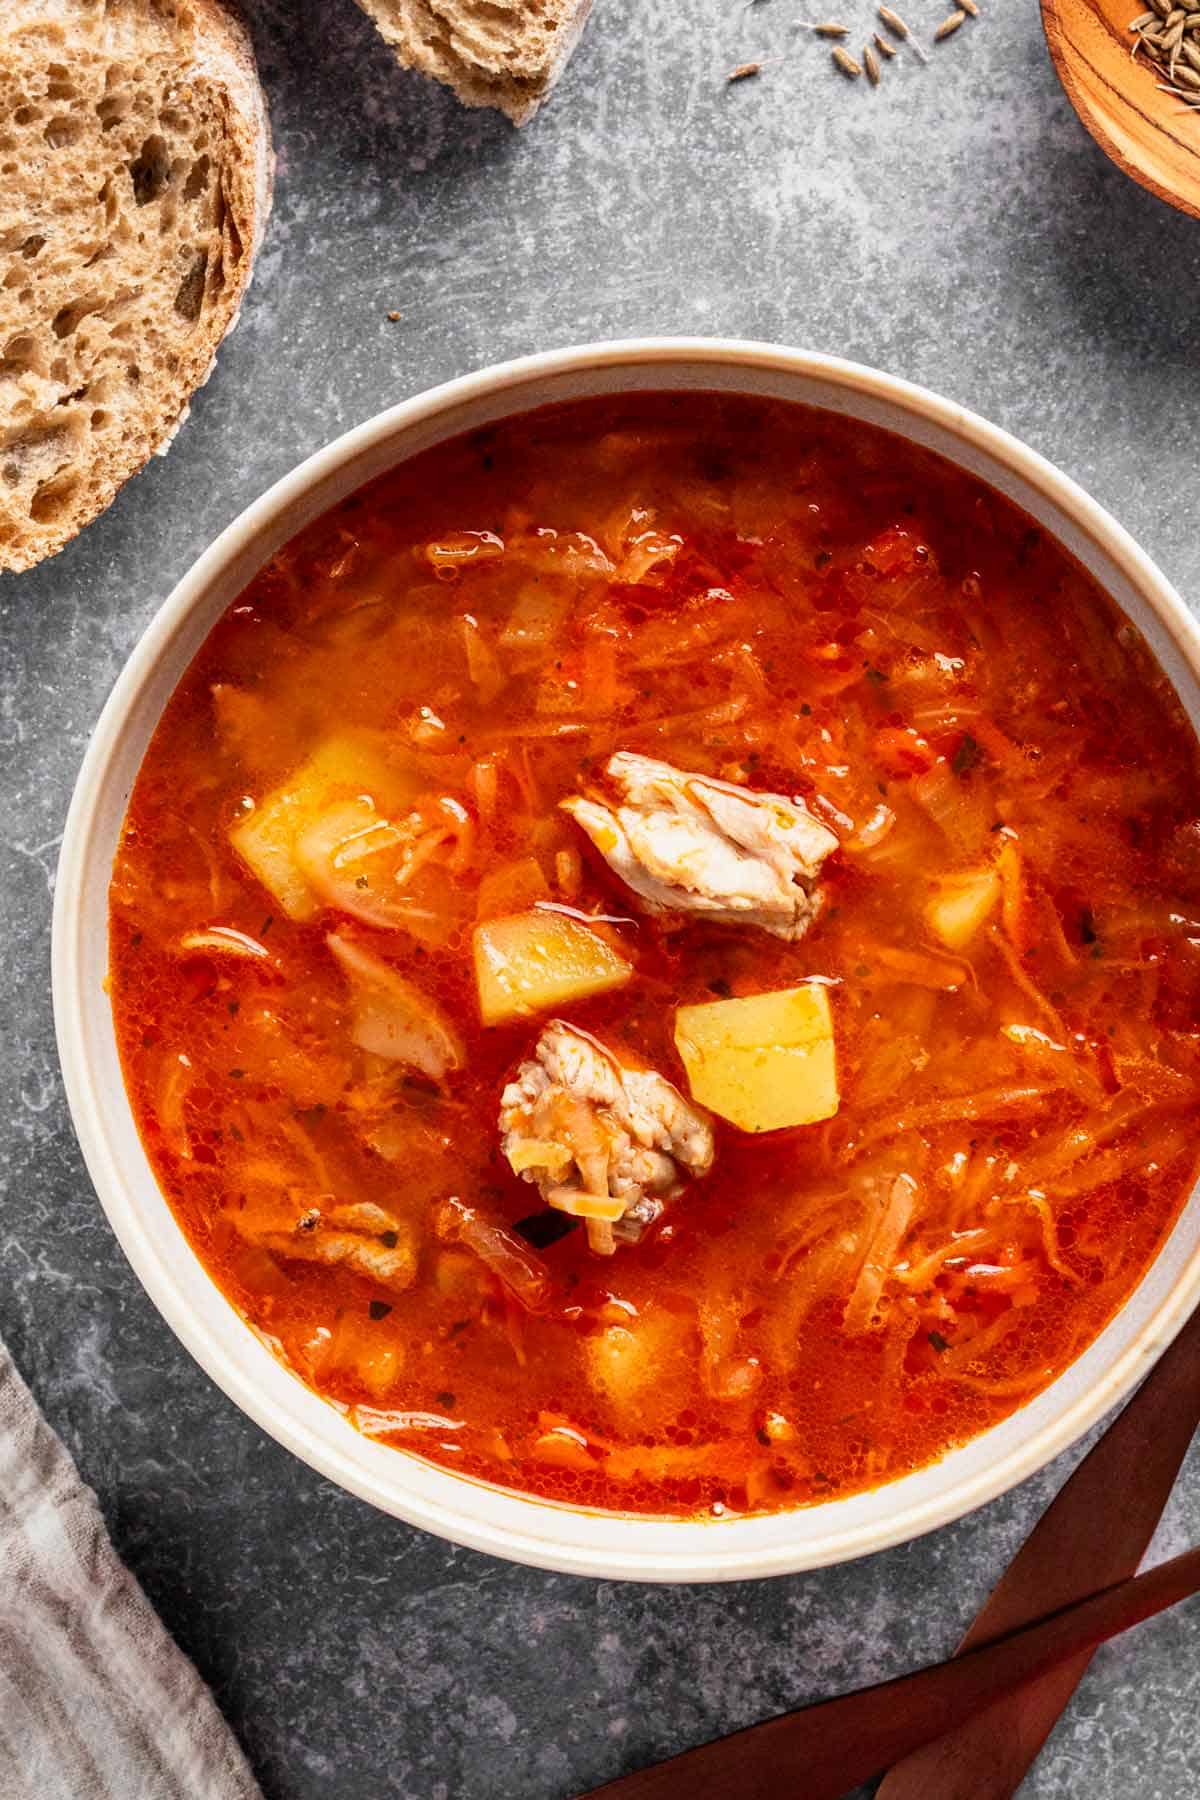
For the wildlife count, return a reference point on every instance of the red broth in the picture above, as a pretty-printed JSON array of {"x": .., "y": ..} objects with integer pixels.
[{"x": 793, "y": 603}]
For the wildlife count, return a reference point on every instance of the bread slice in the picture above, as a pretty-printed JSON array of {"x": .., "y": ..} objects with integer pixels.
[
  {"x": 505, "y": 53},
  {"x": 135, "y": 182}
]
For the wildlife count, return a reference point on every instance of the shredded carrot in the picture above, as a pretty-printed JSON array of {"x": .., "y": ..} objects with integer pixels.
[
  {"x": 893, "y": 1223},
  {"x": 623, "y": 519},
  {"x": 1074, "y": 1068},
  {"x": 745, "y": 669},
  {"x": 599, "y": 682},
  {"x": 564, "y": 1447},
  {"x": 997, "y": 1278},
  {"x": 1154, "y": 1078},
  {"x": 903, "y": 1323},
  {"x": 224, "y": 940},
  {"x": 982, "y": 1103},
  {"x": 568, "y": 872},
  {"x": 709, "y": 620},
  {"x": 294, "y": 1134},
  {"x": 216, "y": 881},
  {"x": 1015, "y": 1387},
  {"x": 841, "y": 822},
  {"x": 645, "y": 555},
  {"x": 877, "y": 827},
  {"x": 520, "y": 768},
  {"x": 708, "y": 718},
  {"x": 1014, "y": 913},
  {"x": 1041, "y": 1206},
  {"x": 175, "y": 1080},
  {"x": 419, "y": 851},
  {"x": 899, "y": 750},
  {"x": 927, "y": 968},
  {"x": 485, "y": 784},
  {"x": 458, "y": 548},
  {"x": 999, "y": 746},
  {"x": 922, "y": 1274},
  {"x": 965, "y": 1352},
  {"x": 1026, "y": 983},
  {"x": 514, "y": 1327},
  {"x": 1053, "y": 936}
]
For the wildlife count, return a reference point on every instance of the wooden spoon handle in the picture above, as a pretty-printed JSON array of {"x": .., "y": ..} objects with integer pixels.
[
  {"x": 822, "y": 1751},
  {"x": 1095, "y": 1533}
]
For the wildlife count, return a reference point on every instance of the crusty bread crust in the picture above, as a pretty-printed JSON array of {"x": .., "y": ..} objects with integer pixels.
[
  {"x": 135, "y": 161},
  {"x": 503, "y": 53}
]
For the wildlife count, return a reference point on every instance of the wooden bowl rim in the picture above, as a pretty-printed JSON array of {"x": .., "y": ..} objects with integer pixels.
[{"x": 1054, "y": 28}]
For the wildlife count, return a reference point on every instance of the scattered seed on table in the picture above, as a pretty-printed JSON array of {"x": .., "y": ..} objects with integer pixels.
[
  {"x": 830, "y": 28},
  {"x": 949, "y": 25},
  {"x": 1169, "y": 38},
  {"x": 871, "y": 65},
  {"x": 882, "y": 45},
  {"x": 846, "y": 63},
  {"x": 970, "y": 8},
  {"x": 744, "y": 71},
  {"x": 898, "y": 28}
]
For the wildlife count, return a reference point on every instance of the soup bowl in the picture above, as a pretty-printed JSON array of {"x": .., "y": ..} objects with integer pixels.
[{"x": 467, "y": 1511}]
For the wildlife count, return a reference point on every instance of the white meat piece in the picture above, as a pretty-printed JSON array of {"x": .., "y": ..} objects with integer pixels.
[
  {"x": 601, "y": 1140},
  {"x": 359, "y": 1234},
  {"x": 690, "y": 843}
]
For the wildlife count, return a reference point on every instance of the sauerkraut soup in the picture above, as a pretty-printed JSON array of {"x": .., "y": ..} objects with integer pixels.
[{"x": 656, "y": 955}]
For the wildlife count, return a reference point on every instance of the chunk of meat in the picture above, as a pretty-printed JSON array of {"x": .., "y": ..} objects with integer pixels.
[
  {"x": 689, "y": 843},
  {"x": 317, "y": 1228},
  {"x": 602, "y": 1141}
]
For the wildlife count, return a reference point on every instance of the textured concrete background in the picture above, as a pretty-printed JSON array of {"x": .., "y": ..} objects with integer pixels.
[{"x": 957, "y": 227}]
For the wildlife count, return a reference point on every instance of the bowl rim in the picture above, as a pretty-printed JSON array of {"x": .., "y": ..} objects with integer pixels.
[{"x": 502, "y": 1522}]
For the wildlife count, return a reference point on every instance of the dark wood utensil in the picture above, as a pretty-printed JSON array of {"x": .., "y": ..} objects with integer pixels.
[
  {"x": 1094, "y": 1533},
  {"x": 825, "y": 1750},
  {"x": 1004, "y": 1680}
]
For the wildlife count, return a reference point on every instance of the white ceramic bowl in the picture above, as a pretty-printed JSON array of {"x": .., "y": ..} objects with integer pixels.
[{"x": 469, "y": 1512}]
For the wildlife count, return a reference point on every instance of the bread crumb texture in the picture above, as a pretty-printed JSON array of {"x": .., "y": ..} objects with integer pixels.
[
  {"x": 503, "y": 53},
  {"x": 134, "y": 187}
]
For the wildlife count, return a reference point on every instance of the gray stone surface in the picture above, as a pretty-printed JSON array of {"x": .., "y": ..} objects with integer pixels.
[{"x": 957, "y": 227}]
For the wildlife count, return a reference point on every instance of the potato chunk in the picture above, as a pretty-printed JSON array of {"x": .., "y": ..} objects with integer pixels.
[
  {"x": 764, "y": 1062},
  {"x": 534, "y": 961},
  {"x": 961, "y": 905},
  {"x": 636, "y": 1367},
  {"x": 342, "y": 769}
]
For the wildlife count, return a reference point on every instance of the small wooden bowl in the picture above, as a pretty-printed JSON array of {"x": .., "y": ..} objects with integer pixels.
[{"x": 1147, "y": 133}]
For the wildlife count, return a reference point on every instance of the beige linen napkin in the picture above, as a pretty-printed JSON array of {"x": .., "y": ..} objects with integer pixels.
[{"x": 96, "y": 1702}]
